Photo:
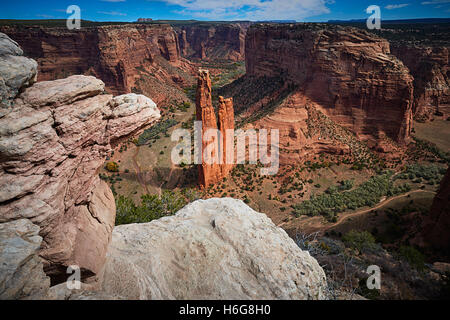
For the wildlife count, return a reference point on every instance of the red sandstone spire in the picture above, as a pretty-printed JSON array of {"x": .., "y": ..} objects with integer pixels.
[{"x": 212, "y": 173}]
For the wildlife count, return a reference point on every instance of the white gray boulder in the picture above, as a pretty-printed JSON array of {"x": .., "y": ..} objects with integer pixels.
[
  {"x": 16, "y": 71},
  {"x": 211, "y": 249},
  {"x": 21, "y": 270}
]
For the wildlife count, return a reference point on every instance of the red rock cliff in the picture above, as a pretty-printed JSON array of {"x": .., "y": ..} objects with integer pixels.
[
  {"x": 348, "y": 72},
  {"x": 211, "y": 173},
  {"x": 213, "y": 41},
  {"x": 128, "y": 58},
  {"x": 430, "y": 69}
]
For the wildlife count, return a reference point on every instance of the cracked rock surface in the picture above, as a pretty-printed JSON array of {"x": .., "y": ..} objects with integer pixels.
[{"x": 211, "y": 249}]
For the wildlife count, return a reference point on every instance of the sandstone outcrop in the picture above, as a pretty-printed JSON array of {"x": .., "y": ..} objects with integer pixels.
[
  {"x": 215, "y": 168},
  {"x": 21, "y": 270},
  {"x": 213, "y": 249},
  {"x": 226, "y": 128},
  {"x": 52, "y": 143},
  {"x": 139, "y": 58},
  {"x": 348, "y": 73},
  {"x": 213, "y": 41}
]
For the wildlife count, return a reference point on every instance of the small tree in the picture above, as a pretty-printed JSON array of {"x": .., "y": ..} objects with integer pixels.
[{"x": 112, "y": 166}]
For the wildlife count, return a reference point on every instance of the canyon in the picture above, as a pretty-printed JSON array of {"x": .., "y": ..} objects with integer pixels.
[
  {"x": 137, "y": 58},
  {"x": 343, "y": 100},
  {"x": 347, "y": 73},
  {"x": 429, "y": 65},
  {"x": 210, "y": 41},
  {"x": 57, "y": 213},
  {"x": 424, "y": 49}
]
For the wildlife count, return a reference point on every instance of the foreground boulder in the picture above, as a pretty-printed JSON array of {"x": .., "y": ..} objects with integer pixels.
[
  {"x": 213, "y": 249},
  {"x": 21, "y": 270}
]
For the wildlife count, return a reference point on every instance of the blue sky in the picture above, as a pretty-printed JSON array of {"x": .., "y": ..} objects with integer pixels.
[{"x": 300, "y": 10}]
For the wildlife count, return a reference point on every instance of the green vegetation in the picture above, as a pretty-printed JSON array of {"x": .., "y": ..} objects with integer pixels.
[
  {"x": 418, "y": 172},
  {"x": 430, "y": 147},
  {"x": 413, "y": 257},
  {"x": 359, "y": 240},
  {"x": 152, "y": 207},
  {"x": 154, "y": 133},
  {"x": 333, "y": 202},
  {"x": 343, "y": 186}
]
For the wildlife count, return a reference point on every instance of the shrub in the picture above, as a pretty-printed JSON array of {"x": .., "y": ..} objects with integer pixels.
[
  {"x": 359, "y": 240},
  {"x": 152, "y": 207},
  {"x": 112, "y": 167},
  {"x": 413, "y": 257}
]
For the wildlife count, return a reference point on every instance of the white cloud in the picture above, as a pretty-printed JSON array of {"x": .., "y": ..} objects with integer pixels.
[
  {"x": 252, "y": 9},
  {"x": 396, "y": 6},
  {"x": 112, "y": 13},
  {"x": 436, "y": 2}
]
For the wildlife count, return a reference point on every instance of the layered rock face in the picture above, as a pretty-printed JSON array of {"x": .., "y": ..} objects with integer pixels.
[
  {"x": 213, "y": 41},
  {"x": 348, "y": 73},
  {"x": 437, "y": 224},
  {"x": 219, "y": 249},
  {"x": 214, "y": 167},
  {"x": 52, "y": 143},
  {"x": 132, "y": 58},
  {"x": 429, "y": 66}
]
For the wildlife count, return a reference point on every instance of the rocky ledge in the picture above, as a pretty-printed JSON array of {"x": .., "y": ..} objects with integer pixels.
[{"x": 54, "y": 136}]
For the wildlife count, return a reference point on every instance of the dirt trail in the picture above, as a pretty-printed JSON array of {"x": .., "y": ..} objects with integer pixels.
[
  {"x": 361, "y": 212},
  {"x": 172, "y": 167},
  {"x": 381, "y": 204},
  {"x": 137, "y": 169}
]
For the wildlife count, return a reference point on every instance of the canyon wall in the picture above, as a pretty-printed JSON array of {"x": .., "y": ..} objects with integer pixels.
[
  {"x": 211, "y": 171},
  {"x": 429, "y": 65},
  {"x": 347, "y": 73},
  {"x": 437, "y": 223},
  {"x": 213, "y": 40},
  {"x": 140, "y": 58},
  {"x": 54, "y": 137}
]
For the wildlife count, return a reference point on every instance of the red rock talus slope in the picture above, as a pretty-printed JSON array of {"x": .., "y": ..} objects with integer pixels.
[
  {"x": 213, "y": 40},
  {"x": 437, "y": 229},
  {"x": 347, "y": 73},
  {"x": 429, "y": 65},
  {"x": 127, "y": 58},
  {"x": 211, "y": 172},
  {"x": 53, "y": 139}
]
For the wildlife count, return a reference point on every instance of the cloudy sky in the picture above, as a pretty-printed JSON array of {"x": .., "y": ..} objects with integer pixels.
[{"x": 300, "y": 10}]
